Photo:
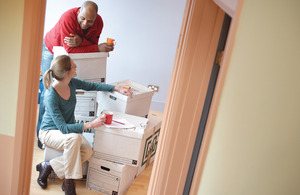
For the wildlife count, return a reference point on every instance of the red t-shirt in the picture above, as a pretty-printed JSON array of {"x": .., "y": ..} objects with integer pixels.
[{"x": 68, "y": 24}]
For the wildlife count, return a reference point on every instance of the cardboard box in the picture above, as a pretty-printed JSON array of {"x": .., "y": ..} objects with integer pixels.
[
  {"x": 129, "y": 146},
  {"x": 148, "y": 150},
  {"x": 109, "y": 178},
  {"x": 86, "y": 103},
  {"x": 138, "y": 105},
  {"x": 90, "y": 66}
]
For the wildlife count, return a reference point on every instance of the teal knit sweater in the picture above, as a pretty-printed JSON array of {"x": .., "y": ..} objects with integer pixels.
[{"x": 59, "y": 114}]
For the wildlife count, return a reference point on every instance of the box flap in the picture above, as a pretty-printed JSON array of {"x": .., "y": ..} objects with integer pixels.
[
  {"x": 59, "y": 50},
  {"x": 83, "y": 93},
  {"x": 139, "y": 122},
  {"x": 88, "y": 55},
  {"x": 132, "y": 133},
  {"x": 139, "y": 91}
]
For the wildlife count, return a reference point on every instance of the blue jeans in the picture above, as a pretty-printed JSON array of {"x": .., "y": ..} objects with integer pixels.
[{"x": 47, "y": 58}]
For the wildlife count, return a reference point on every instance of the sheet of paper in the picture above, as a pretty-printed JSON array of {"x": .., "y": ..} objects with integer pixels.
[{"x": 127, "y": 125}]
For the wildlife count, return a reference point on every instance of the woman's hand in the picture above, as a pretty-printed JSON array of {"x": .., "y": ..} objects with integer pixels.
[
  {"x": 123, "y": 91},
  {"x": 97, "y": 122}
]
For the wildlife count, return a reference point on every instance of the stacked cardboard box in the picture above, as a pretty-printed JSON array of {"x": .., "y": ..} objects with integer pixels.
[
  {"x": 108, "y": 177},
  {"x": 133, "y": 149},
  {"x": 86, "y": 103},
  {"x": 130, "y": 146},
  {"x": 90, "y": 66},
  {"x": 138, "y": 105}
]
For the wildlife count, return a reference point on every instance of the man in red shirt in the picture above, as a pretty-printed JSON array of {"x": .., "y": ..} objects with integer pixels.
[{"x": 78, "y": 31}]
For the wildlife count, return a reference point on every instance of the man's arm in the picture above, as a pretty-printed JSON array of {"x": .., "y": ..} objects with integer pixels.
[
  {"x": 76, "y": 41},
  {"x": 73, "y": 41},
  {"x": 68, "y": 26}
]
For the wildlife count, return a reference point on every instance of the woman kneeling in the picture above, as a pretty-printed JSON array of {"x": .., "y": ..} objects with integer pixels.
[{"x": 58, "y": 128}]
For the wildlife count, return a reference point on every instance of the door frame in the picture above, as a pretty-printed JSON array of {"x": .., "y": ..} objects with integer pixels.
[
  {"x": 234, "y": 10},
  {"x": 189, "y": 82},
  {"x": 206, "y": 109},
  {"x": 30, "y": 60},
  {"x": 195, "y": 54}
]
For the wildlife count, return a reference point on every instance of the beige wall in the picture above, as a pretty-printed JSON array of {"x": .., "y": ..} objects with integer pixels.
[
  {"x": 256, "y": 138},
  {"x": 11, "y": 13}
]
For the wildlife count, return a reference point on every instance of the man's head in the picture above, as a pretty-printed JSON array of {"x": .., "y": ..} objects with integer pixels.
[{"x": 87, "y": 14}]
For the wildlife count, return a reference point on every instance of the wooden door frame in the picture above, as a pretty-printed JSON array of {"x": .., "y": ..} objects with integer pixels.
[
  {"x": 189, "y": 82},
  {"x": 30, "y": 61},
  {"x": 196, "y": 49},
  {"x": 234, "y": 11}
]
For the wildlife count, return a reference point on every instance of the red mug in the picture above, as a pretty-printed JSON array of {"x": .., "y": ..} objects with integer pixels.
[{"x": 109, "y": 117}]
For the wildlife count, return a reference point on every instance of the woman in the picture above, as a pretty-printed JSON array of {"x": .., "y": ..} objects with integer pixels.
[{"x": 58, "y": 128}]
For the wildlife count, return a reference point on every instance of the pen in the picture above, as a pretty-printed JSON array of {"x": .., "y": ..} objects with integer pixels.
[{"x": 118, "y": 122}]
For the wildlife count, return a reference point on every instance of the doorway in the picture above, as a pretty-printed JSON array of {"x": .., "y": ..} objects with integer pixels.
[
  {"x": 177, "y": 98},
  {"x": 161, "y": 68}
]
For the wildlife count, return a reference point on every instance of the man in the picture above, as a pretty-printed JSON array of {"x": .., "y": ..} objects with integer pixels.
[{"x": 78, "y": 31}]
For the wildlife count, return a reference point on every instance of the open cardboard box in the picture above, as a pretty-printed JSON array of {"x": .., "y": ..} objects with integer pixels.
[{"x": 138, "y": 105}]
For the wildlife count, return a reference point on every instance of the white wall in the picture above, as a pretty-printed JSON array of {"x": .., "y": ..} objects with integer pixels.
[
  {"x": 255, "y": 143},
  {"x": 146, "y": 33}
]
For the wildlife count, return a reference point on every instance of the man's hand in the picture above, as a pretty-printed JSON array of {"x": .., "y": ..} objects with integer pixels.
[
  {"x": 73, "y": 41},
  {"x": 105, "y": 47}
]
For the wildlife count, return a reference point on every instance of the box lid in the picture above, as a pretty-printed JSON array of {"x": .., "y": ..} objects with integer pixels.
[
  {"x": 76, "y": 56},
  {"x": 139, "y": 122},
  {"x": 59, "y": 50},
  {"x": 83, "y": 93},
  {"x": 139, "y": 91}
]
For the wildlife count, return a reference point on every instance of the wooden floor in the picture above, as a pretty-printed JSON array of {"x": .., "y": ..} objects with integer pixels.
[{"x": 138, "y": 187}]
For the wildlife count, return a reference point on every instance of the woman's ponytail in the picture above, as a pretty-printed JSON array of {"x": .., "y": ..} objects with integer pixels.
[
  {"x": 47, "y": 79},
  {"x": 59, "y": 66}
]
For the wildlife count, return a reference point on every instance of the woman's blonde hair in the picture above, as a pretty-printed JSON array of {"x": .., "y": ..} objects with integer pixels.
[{"x": 59, "y": 66}]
